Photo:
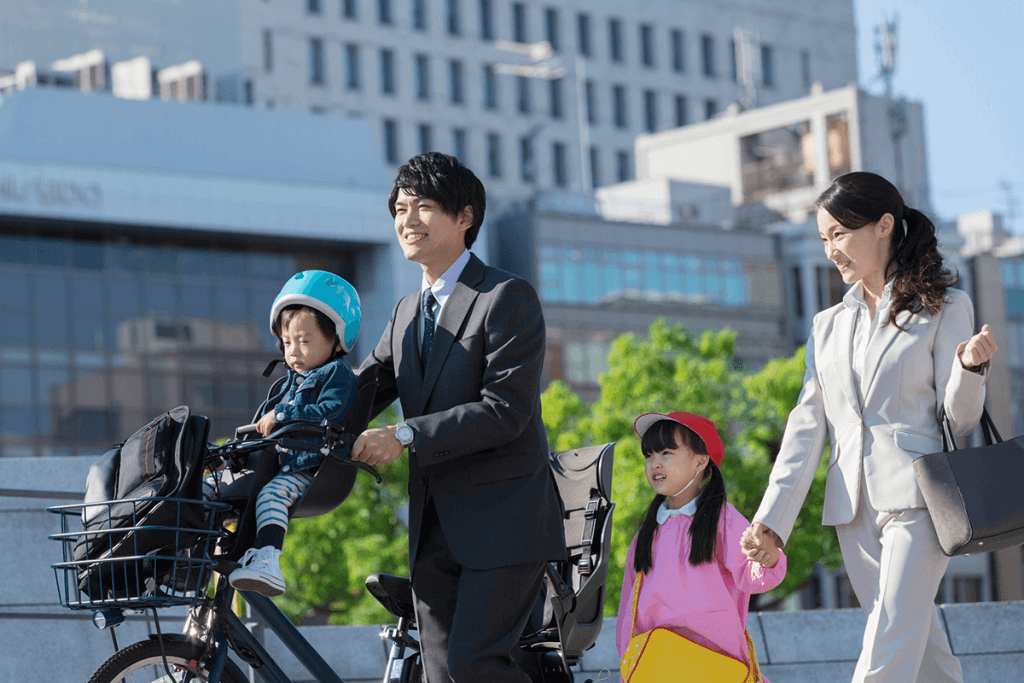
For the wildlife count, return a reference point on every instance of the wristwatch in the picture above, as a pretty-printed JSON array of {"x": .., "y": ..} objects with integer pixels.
[{"x": 404, "y": 433}]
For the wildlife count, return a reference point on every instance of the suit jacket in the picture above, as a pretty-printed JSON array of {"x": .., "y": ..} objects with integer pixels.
[
  {"x": 474, "y": 405},
  {"x": 908, "y": 377}
]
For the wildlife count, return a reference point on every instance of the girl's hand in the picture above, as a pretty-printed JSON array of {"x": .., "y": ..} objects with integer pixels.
[
  {"x": 266, "y": 424},
  {"x": 979, "y": 349},
  {"x": 760, "y": 544}
]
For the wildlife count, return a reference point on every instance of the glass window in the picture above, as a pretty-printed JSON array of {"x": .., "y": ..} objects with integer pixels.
[
  {"x": 15, "y": 329},
  {"x": 50, "y": 252},
  {"x": 455, "y": 81},
  {"x": 523, "y": 104},
  {"x": 767, "y": 66},
  {"x": 16, "y": 289},
  {"x": 526, "y": 164},
  {"x": 350, "y": 9},
  {"x": 161, "y": 260},
  {"x": 592, "y": 281},
  {"x": 583, "y": 34},
  {"x": 682, "y": 116},
  {"x": 486, "y": 20},
  {"x": 87, "y": 332},
  {"x": 19, "y": 420},
  {"x": 50, "y": 290},
  {"x": 316, "y": 61},
  {"x": 647, "y": 45},
  {"x": 124, "y": 295},
  {"x": 571, "y": 282},
  {"x": 15, "y": 250},
  {"x": 197, "y": 301},
  {"x": 235, "y": 395},
  {"x": 623, "y": 165},
  {"x": 494, "y": 155},
  {"x": 268, "y": 50},
  {"x": 555, "y": 92},
  {"x": 387, "y": 72},
  {"x": 651, "y": 111},
  {"x": 352, "y": 79},
  {"x": 551, "y": 29},
  {"x": 591, "y": 97},
  {"x": 558, "y": 163},
  {"x": 619, "y": 114},
  {"x": 391, "y": 141},
  {"x": 595, "y": 167},
  {"x": 87, "y": 293},
  {"x": 707, "y": 53},
  {"x": 422, "y": 76},
  {"x": 615, "y": 51},
  {"x": 419, "y": 15},
  {"x": 313, "y": 6},
  {"x": 231, "y": 303},
  {"x": 16, "y": 384},
  {"x": 1007, "y": 270},
  {"x": 129, "y": 259},
  {"x": 459, "y": 145},
  {"x": 426, "y": 133},
  {"x": 520, "y": 34},
  {"x": 50, "y": 382},
  {"x": 384, "y": 12},
  {"x": 160, "y": 297},
  {"x": 51, "y": 329},
  {"x": 454, "y": 18},
  {"x": 490, "y": 87},
  {"x": 88, "y": 255},
  {"x": 678, "y": 51}
]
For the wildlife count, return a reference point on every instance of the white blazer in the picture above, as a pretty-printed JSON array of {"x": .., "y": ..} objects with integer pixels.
[{"x": 907, "y": 377}]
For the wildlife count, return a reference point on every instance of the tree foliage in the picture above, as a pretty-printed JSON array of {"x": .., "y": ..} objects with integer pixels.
[{"x": 672, "y": 369}]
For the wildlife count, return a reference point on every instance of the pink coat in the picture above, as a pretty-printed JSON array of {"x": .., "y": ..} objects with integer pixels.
[{"x": 707, "y": 603}]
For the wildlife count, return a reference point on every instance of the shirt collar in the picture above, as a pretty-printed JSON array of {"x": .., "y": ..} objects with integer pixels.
[
  {"x": 664, "y": 513},
  {"x": 854, "y": 297},
  {"x": 444, "y": 285}
]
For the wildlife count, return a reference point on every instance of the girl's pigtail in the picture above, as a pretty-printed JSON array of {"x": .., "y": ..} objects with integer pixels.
[
  {"x": 643, "y": 557},
  {"x": 704, "y": 528}
]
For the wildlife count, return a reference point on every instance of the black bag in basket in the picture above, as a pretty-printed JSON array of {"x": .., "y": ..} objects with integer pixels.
[
  {"x": 974, "y": 494},
  {"x": 164, "y": 459}
]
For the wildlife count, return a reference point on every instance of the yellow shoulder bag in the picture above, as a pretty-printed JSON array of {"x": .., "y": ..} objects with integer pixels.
[{"x": 662, "y": 655}]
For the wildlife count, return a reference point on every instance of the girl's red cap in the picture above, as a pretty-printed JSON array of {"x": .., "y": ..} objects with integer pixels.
[{"x": 704, "y": 428}]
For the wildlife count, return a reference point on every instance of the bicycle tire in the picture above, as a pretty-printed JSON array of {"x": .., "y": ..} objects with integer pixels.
[{"x": 144, "y": 661}]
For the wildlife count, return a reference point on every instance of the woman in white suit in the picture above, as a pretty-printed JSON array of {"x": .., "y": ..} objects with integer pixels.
[{"x": 880, "y": 366}]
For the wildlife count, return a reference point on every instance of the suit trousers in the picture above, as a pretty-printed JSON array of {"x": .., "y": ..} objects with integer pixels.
[
  {"x": 895, "y": 565},
  {"x": 469, "y": 620}
]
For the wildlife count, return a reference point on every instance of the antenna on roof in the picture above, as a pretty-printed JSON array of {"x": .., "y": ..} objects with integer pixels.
[{"x": 886, "y": 45}]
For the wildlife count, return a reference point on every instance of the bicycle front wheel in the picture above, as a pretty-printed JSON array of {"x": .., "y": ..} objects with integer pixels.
[{"x": 144, "y": 663}]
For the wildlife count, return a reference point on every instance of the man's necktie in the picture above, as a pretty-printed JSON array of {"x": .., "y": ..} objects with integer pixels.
[{"x": 429, "y": 322}]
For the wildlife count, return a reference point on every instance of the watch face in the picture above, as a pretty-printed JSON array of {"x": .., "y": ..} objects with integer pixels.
[{"x": 404, "y": 434}]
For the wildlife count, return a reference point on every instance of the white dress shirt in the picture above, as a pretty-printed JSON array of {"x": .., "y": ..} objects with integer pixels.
[{"x": 443, "y": 287}]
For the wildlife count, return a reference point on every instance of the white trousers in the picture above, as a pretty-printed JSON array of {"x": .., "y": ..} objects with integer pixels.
[{"x": 895, "y": 565}]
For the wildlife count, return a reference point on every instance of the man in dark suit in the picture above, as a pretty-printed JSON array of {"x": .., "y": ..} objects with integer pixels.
[{"x": 464, "y": 356}]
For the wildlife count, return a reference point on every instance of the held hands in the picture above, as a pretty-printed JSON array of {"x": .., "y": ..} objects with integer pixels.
[
  {"x": 377, "y": 446},
  {"x": 979, "y": 349},
  {"x": 761, "y": 544},
  {"x": 266, "y": 423}
]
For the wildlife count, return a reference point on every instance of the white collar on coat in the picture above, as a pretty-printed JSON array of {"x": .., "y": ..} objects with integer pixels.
[
  {"x": 664, "y": 513},
  {"x": 854, "y": 297}
]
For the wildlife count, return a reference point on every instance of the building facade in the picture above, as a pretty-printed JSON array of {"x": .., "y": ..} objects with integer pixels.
[
  {"x": 141, "y": 247},
  {"x": 448, "y": 75}
]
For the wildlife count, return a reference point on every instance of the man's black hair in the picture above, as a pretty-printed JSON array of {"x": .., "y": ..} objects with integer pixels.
[{"x": 443, "y": 179}]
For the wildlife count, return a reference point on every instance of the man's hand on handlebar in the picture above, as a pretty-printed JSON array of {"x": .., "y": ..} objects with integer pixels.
[
  {"x": 377, "y": 446},
  {"x": 266, "y": 424}
]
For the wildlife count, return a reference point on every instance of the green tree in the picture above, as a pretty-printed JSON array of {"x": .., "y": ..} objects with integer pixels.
[
  {"x": 326, "y": 559},
  {"x": 673, "y": 369}
]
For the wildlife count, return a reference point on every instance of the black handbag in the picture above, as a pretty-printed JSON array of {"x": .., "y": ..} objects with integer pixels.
[{"x": 975, "y": 495}]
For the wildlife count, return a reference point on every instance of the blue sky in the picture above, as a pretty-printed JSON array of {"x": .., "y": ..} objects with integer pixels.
[{"x": 965, "y": 62}]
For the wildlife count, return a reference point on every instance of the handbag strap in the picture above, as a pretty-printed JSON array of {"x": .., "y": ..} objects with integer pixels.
[
  {"x": 636, "y": 597},
  {"x": 988, "y": 428}
]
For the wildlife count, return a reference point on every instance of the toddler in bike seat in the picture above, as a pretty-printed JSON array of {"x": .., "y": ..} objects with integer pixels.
[{"x": 316, "y": 321}]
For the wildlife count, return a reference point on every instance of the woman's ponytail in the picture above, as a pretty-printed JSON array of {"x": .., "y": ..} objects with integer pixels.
[{"x": 915, "y": 266}]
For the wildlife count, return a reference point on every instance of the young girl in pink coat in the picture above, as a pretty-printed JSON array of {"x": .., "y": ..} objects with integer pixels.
[{"x": 696, "y": 579}]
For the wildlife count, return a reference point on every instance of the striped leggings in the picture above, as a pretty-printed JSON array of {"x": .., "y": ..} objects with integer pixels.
[{"x": 275, "y": 499}]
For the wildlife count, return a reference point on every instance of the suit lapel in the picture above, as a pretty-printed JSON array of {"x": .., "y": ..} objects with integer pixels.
[
  {"x": 843, "y": 334},
  {"x": 450, "y": 322},
  {"x": 881, "y": 343},
  {"x": 410, "y": 375}
]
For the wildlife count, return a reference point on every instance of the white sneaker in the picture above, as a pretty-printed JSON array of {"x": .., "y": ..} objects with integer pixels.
[{"x": 260, "y": 572}]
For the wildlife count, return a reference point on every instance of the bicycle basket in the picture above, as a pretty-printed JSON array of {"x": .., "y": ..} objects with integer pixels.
[{"x": 157, "y": 552}]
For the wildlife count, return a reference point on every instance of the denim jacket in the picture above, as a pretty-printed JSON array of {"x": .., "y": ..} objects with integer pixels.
[{"x": 324, "y": 393}]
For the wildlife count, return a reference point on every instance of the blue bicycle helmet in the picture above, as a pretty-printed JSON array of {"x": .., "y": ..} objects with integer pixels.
[{"x": 328, "y": 293}]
